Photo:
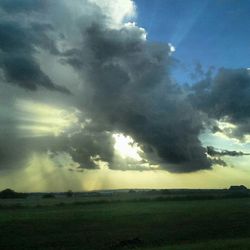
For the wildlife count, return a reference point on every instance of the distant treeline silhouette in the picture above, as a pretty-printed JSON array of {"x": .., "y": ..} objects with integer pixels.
[{"x": 11, "y": 194}]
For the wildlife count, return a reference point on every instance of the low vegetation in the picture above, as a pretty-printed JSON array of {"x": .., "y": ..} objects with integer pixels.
[{"x": 118, "y": 223}]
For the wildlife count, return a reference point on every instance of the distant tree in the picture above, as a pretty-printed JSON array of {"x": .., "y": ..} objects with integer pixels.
[
  {"x": 69, "y": 193},
  {"x": 238, "y": 188},
  {"x": 238, "y": 191},
  {"x": 11, "y": 194}
]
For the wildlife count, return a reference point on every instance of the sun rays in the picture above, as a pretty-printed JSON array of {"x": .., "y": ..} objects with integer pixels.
[{"x": 39, "y": 119}]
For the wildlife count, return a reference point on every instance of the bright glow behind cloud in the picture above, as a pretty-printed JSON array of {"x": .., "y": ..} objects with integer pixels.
[
  {"x": 126, "y": 147},
  {"x": 117, "y": 10}
]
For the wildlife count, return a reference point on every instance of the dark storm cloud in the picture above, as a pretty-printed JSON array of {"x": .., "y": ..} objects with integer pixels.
[
  {"x": 226, "y": 96},
  {"x": 219, "y": 161},
  {"x": 214, "y": 152},
  {"x": 216, "y": 155},
  {"x": 200, "y": 73},
  {"x": 17, "y": 46},
  {"x": 130, "y": 91},
  {"x": 86, "y": 148},
  {"x": 14, "y": 150},
  {"x": 26, "y": 73},
  {"x": 13, "y": 6},
  {"x": 125, "y": 87}
]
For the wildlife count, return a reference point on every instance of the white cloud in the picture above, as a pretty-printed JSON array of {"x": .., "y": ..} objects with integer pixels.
[
  {"x": 172, "y": 48},
  {"x": 117, "y": 10}
]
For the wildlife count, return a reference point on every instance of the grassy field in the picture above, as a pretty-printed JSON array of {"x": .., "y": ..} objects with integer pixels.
[
  {"x": 142, "y": 225},
  {"x": 235, "y": 244}
]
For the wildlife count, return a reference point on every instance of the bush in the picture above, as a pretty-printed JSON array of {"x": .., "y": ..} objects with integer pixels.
[{"x": 11, "y": 194}]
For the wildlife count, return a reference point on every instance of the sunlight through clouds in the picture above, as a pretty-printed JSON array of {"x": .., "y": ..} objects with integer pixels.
[
  {"x": 39, "y": 119},
  {"x": 126, "y": 147}
]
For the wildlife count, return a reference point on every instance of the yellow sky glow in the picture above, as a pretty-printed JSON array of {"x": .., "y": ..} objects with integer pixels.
[{"x": 41, "y": 173}]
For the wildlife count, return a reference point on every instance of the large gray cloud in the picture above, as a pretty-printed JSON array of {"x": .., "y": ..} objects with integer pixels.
[
  {"x": 14, "y": 6},
  {"x": 215, "y": 152},
  {"x": 130, "y": 91},
  {"x": 226, "y": 97},
  {"x": 18, "y": 43},
  {"x": 217, "y": 155},
  {"x": 125, "y": 86}
]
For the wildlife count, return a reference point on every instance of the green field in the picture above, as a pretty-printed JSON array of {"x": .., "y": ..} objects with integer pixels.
[{"x": 142, "y": 225}]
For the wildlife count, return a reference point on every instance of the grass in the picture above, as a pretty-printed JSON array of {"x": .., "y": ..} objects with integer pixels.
[
  {"x": 225, "y": 244},
  {"x": 140, "y": 225}
]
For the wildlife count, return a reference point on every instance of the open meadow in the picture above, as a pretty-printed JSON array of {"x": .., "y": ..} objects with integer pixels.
[{"x": 143, "y": 224}]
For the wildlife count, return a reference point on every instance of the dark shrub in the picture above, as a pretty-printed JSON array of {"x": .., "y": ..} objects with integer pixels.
[{"x": 11, "y": 194}]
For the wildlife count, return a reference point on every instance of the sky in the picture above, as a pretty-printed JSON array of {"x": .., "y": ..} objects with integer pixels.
[
  {"x": 111, "y": 94},
  {"x": 213, "y": 33}
]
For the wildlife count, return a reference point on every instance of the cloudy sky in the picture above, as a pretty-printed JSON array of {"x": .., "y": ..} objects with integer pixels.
[{"x": 100, "y": 94}]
